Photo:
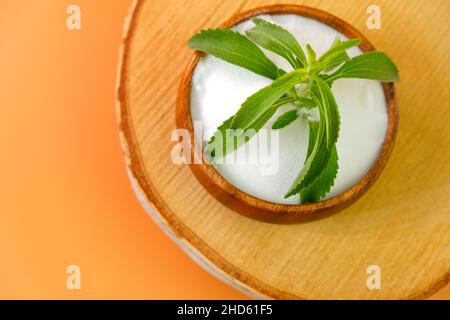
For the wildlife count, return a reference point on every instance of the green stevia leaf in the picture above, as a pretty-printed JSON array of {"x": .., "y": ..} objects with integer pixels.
[
  {"x": 236, "y": 49},
  {"x": 334, "y": 61},
  {"x": 218, "y": 141},
  {"x": 321, "y": 148},
  {"x": 373, "y": 65},
  {"x": 278, "y": 40},
  {"x": 329, "y": 112},
  {"x": 311, "y": 55},
  {"x": 339, "y": 46},
  {"x": 314, "y": 165},
  {"x": 224, "y": 141},
  {"x": 285, "y": 119},
  {"x": 305, "y": 102},
  {"x": 261, "y": 121},
  {"x": 261, "y": 101},
  {"x": 322, "y": 185},
  {"x": 337, "y": 54}
]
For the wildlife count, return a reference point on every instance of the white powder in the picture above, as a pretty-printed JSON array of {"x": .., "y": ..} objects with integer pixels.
[{"x": 219, "y": 88}]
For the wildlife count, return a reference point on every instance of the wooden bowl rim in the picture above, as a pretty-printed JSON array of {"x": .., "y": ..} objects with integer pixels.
[{"x": 260, "y": 209}]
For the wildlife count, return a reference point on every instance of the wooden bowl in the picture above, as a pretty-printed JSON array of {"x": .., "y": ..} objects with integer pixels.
[{"x": 256, "y": 208}]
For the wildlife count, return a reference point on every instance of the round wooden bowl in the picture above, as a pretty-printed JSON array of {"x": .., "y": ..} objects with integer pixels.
[
  {"x": 402, "y": 225},
  {"x": 256, "y": 208}
]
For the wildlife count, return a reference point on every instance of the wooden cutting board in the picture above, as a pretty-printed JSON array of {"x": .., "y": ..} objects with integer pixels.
[{"x": 402, "y": 225}]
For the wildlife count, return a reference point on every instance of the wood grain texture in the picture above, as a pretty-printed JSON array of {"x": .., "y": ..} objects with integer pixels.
[
  {"x": 401, "y": 225},
  {"x": 254, "y": 207}
]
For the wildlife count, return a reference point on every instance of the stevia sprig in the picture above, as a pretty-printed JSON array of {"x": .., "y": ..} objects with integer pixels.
[{"x": 310, "y": 73}]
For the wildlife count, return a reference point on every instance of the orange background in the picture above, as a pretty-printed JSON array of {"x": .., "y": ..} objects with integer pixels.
[{"x": 65, "y": 197}]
